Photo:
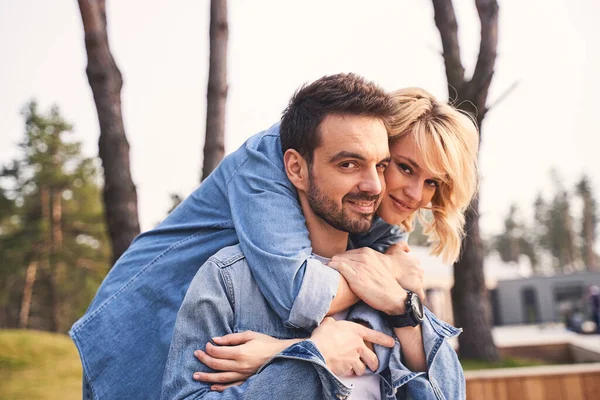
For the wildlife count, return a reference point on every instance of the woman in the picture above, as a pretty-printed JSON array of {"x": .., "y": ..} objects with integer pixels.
[{"x": 433, "y": 150}]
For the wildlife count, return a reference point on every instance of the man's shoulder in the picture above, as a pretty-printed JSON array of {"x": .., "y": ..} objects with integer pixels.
[
  {"x": 227, "y": 257},
  {"x": 227, "y": 266},
  {"x": 266, "y": 137}
]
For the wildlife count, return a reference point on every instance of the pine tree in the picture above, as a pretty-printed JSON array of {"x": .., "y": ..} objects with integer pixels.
[
  {"x": 53, "y": 249},
  {"x": 589, "y": 221}
]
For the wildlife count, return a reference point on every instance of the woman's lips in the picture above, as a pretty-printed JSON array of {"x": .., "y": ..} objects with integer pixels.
[{"x": 400, "y": 204}]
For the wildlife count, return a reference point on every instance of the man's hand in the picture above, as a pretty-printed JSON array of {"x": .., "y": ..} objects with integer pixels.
[
  {"x": 237, "y": 356},
  {"x": 342, "y": 344},
  {"x": 371, "y": 277},
  {"x": 407, "y": 268}
]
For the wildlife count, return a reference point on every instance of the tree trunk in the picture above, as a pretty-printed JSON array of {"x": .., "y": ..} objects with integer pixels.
[
  {"x": 470, "y": 300},
  {"x": 120, "y": 196},
  {"x": 214, "y": 144},
  {"x": 27, "y": 294}
]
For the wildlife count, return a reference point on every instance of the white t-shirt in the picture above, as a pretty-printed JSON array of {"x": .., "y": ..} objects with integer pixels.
[{"x": 365, "y": 387}]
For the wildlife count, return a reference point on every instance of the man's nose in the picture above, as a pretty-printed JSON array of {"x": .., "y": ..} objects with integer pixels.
[{"x": 372, "y": 182}]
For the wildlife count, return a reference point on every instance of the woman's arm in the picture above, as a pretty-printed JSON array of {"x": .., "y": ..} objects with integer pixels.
[
  {"x": 272, "y": 233},
  {"x": 237, "y": 356}
]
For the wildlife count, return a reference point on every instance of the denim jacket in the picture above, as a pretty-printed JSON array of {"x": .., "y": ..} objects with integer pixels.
[
  {"x": 124, "y": 337},
  {"x": 224, "y": 297}
]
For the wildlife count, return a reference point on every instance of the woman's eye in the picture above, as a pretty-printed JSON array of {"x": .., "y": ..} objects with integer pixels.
[
  {"x": 434, "y": 184},
  {"x": 405, "y": 168}
]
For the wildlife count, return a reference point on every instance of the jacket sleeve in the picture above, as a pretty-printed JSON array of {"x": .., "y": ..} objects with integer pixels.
[{"x": 272, "y": 234}]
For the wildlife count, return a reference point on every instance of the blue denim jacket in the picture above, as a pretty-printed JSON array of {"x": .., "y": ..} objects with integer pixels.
[
  {"x": 124, "y": 337},
  {"x": 224, "y": 297}
]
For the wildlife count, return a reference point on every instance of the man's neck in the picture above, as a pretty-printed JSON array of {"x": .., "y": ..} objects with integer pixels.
[{"x": 326, "y": 240}]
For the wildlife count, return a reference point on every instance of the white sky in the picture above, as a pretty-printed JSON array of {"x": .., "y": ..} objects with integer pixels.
[{"x": 552, "y": 47}]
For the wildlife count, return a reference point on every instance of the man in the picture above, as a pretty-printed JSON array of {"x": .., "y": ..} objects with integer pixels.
[
  {"x": 337, "y": 173},
  {"x": 124, "y": 337}
]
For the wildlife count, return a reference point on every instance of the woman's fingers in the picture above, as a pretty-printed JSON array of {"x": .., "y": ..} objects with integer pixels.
[
  {"x": 234, "y": 339},
  {"x": 226, "y": 352},
  {"x": 369, "y": 358},
  {"x": 220, "y": 388},
  {"x": 216, "y": 363},
  {"x": 219, "y": 377},
  {"x": 358, "y": 367}
]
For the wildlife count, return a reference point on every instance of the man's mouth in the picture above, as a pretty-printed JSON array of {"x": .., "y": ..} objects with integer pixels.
[
  {"x": 363, "y": 206},
  {"x": 401, "y": 204}
]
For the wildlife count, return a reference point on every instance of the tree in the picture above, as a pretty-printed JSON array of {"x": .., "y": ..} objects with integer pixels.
[
  {"x": 470, "y": 298},
  {"x": 509, "y": 243},
  {"x": 214, "y": 143},
  {"x": 120, "y": 195},
  {"x": 516, "y": 240},
  {"x": 589, "y": 221},
  {"x": 561, "y": 235},
  {"x": 53, "y": 249}
]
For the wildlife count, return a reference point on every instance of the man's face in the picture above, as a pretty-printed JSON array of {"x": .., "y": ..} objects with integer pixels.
[{"x": 346, "y": 177}]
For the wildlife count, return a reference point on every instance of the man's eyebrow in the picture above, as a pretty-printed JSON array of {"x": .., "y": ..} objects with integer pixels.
[
  {"x": 386, "y": 160},
  {"x": 346, "y": 154}
]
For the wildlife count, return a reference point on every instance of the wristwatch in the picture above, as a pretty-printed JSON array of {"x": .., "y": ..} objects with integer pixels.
[{"x": 413, "y": 315}]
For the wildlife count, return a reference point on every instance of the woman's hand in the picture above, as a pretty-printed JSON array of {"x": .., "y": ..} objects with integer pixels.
[
  {"x": 237, "y": 356},
  {"x": 372, "y": 278},
  {"x": 407, "y": 268},
  {"x": 346, "y": 346}
]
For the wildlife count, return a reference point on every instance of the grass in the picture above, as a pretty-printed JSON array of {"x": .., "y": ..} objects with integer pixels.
[
  {"x": 41, "y": 365},
  {"x": 38, "y": 365},
  {"x": 469, "y": 365}
]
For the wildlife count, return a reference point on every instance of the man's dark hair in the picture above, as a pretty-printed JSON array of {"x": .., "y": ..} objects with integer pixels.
[{"x": 340, "y": 94}]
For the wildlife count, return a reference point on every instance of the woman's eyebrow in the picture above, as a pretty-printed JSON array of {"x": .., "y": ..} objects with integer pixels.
[{"x": 412, "y": 162}]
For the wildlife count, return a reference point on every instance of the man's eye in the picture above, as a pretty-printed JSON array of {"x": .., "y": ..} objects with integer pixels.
[
  {"x": 348, "y": 165},
  {"x": 382, "y": 166}
]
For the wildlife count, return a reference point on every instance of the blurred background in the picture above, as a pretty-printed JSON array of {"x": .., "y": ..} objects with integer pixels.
[{"x": 86, "y": 163}]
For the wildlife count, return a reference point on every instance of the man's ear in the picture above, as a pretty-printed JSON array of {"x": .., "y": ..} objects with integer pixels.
[{"x": 296, "y": 169}]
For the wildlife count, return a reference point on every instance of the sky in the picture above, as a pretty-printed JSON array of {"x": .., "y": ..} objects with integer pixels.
[{"x": 549, "y": 48}]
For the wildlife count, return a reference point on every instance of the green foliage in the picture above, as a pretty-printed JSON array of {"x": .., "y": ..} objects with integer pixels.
[
  {"x": 552, "y": 240},
  {"x": 38, "y": 365},
  {"x": 507, "y": 362},
  {"x": 589, "y": 223},
  {"x": 55, "y": 225}
]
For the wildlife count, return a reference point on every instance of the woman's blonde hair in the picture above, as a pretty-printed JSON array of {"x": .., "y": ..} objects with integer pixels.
[{"x": 448, "y": 140}]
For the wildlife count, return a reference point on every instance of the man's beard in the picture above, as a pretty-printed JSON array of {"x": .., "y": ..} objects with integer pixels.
[{"x": 336, "y": 216}]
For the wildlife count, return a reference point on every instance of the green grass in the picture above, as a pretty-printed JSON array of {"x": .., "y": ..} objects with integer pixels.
[
  {"x": 41, "y": 365},
  {"x": 38, "y": 365},
  {"x": 504, "y": 363}
]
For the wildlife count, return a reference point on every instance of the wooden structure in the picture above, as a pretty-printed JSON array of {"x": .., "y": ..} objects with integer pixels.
[{"x": 555, "y": 382}]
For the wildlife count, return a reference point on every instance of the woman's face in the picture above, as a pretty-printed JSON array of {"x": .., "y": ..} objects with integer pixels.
[{"x": 410, "y": 186}]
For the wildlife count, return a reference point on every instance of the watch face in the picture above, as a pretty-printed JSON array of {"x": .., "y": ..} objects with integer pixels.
[{"x": 417, "y": 307}]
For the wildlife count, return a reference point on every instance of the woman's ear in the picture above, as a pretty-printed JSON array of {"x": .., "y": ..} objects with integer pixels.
[{"x": 296, "y": 169}]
